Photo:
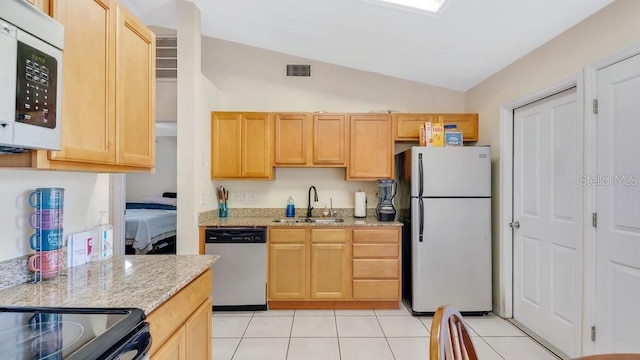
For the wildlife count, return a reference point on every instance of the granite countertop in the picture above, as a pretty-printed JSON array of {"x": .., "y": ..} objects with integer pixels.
[
  {"x": 132, "y": 281},
  {"x": 265, "y": 217},
  {"x": 268, "y": 221}
]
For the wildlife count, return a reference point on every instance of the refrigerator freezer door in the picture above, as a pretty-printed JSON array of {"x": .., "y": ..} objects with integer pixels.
[
  {"x": 451, "y": 171},
  {"x": 452, "y": 265}
]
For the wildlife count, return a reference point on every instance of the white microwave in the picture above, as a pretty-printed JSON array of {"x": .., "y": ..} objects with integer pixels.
[{"x": 31, "y": 46}]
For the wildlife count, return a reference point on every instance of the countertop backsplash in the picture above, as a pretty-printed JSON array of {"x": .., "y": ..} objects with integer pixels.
[
  {"x": 14, "y": 272},
  {"x": 281, "y": 213}
]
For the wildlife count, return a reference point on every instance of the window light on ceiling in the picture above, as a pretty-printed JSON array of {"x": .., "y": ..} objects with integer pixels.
[{"x": 431, "y": 6}]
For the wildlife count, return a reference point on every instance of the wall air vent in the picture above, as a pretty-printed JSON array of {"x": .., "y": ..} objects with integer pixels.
[
  {"x": 166, "y": 58},
  {"x": 298, "y": 70}
]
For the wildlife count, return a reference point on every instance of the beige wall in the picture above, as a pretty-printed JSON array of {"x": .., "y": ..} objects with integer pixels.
[
  {"x": 613, "y": 29},
  {"x": 252, "y": 79},
  {"x": 197, "y": 96},
  {"x": 85, "y": 195}
]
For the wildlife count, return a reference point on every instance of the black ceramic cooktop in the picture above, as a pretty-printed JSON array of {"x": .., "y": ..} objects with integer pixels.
[{"x": 63, "y": 333}]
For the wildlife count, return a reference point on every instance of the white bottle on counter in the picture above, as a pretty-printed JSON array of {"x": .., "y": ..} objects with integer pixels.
[{"x": 103, "y": 241}]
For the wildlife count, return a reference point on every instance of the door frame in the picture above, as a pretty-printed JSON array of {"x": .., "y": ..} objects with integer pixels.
[{"x": 505, "y": 212}]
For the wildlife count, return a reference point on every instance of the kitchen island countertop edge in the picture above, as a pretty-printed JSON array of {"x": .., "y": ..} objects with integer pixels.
[{"x": 131, "y": 281}]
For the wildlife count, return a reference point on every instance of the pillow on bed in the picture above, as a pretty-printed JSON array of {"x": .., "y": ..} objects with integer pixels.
[{"x": 161, "y": 200}]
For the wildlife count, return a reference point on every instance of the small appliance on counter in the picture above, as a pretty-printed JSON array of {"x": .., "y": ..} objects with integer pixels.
[{"x": 386, "y": 192}]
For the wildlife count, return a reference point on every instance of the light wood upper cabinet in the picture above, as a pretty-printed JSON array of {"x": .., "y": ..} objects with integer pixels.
[
  {"x": 43, "y": 5},
  {"x": 291, "y": 139},
  {"x": 135, "y": 89},
  {"x": 329, "y": 139},
  {"x": 241, "y": 145},
  {"x": 88, "y": 87},
  {"x": 306, "y": 140},
  {"x": 108, "y": 91},
  {"x": 467, "y": 123},
  {"x": 370, "y": 147},
  {"x": 407, "y": 126}
]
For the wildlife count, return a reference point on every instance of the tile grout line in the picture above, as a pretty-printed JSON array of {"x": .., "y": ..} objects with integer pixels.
[{"x": 384, "y": 335}]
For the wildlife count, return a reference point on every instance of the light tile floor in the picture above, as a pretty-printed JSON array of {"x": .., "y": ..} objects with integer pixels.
[{"x": 356, "y": 335}]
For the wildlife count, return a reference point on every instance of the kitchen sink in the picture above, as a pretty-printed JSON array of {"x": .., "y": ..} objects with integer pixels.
[{"x": 309, "y": 220}]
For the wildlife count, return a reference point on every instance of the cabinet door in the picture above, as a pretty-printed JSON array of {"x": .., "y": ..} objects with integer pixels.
[
  {"x": 329, "y": 273},
  {"x": 329, "y": 140},
  {"x": 174, "y": 348},
  {"x": 256, "y": 146},
  {"x": 43, "y": 5},
  {"x": 225, "y": 145},
  {"x": 88, "y": 86},
  {"x": 371, "y": 147},
  {"x": 407, "y": 126},
  {"x": 198, "y": 333},
  {"x": 467, "y": 123},
  {"x": 287, "y": 271},
  {"x": 135, "y": 88},
  {"x": 291, "y": 139}
]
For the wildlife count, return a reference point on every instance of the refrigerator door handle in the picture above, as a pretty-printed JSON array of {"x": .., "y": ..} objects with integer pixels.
[
  {"x": 420, "y": 174},
  {"x": 421, "y": 226}
]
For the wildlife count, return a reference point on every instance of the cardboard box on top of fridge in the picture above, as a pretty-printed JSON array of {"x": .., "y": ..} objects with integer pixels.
[
  {"x": 437, "y": 135},
  {"x": 425, "y": 134}
]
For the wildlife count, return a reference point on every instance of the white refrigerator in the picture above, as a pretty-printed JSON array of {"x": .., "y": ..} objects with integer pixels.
[{"x": 445, "y": 204}]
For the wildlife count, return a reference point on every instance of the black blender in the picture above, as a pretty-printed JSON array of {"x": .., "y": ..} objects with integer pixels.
[{"x": 386, "y": 191}]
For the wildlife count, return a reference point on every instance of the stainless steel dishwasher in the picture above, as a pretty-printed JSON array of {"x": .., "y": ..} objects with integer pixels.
[{"x": 240, "y": 275}]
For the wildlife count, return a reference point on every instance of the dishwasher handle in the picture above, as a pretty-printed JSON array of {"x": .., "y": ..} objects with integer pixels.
[{"x": 236, "y": 235}]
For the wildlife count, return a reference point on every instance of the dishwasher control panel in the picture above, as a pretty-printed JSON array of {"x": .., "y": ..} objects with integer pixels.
[{"x": 236, "y": 235}]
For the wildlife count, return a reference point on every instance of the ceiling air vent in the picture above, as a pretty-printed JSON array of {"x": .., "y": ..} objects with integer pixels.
[
  {"x": 166, "y": 58},
  {"x": 298, "y": 70}
]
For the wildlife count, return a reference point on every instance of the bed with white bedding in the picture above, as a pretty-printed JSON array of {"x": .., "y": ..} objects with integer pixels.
[{"x": 149, "y": 227}]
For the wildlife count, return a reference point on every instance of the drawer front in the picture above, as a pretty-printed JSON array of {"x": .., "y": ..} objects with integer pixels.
[
  {"x": 384, "y": 235},
  {"x": 376, "y": 250},
  {"x": 375, "y": 268},
  {"x": 329, "y": 235},
  {"x": 286, "y": 235},
  {"x": 376, "y": 289}
]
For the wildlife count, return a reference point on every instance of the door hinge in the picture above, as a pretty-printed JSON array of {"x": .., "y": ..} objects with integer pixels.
[
  {"x": 593, "y": 333},
  {"x": 595, "y": 106},
  {"x": 594, "y": 220}
]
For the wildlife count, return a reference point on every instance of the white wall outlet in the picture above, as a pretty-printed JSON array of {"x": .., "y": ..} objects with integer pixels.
[
  {"x": 251, "y": 196},
  {"x": 203, "y": 201},
  {"x": 238, "y": 196}
]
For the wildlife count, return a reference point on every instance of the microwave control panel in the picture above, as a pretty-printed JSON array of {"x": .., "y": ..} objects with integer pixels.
[{"x": 36, "y": 87}]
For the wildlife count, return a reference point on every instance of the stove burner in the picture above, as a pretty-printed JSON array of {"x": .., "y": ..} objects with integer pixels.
[{"x": 40, "y": 340}]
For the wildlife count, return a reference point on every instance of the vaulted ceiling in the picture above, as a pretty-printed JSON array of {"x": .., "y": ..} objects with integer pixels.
[{"x": 468, "y": 42}]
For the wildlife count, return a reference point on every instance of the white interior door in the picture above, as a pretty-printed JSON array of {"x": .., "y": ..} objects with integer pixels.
[
  {"x": 617, "y": 290},
  {"x": 547, "y": 204}
]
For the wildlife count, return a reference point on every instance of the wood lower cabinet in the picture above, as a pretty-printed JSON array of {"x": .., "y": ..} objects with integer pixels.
[
  {"x": 376, "y": 264},
  {"x": 181, "y": 326},
  {"x": 241, "y": 145},
  {"x": 370, "y": 147},
  {"x": 316, "y": 267},
  {"x": 310, "y": 140},
  {"x": 329, "y": 271},
  {"x": 288, "y": 264}
]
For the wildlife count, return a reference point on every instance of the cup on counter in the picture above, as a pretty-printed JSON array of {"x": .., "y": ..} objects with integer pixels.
[
  {"x": 46, "y": 263},
  {"x": 223, "y": 210},
  {"x": 47, "y": 240},
  {"x": 47, "y": 219},
  {"x": 47, "y": 198}
]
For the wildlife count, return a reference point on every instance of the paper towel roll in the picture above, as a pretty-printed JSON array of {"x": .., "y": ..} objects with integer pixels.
[{"x": 360, "y": 210}]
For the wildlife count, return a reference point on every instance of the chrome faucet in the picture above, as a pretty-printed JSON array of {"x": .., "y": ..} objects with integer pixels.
[{"x": 315, "y": 198}]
